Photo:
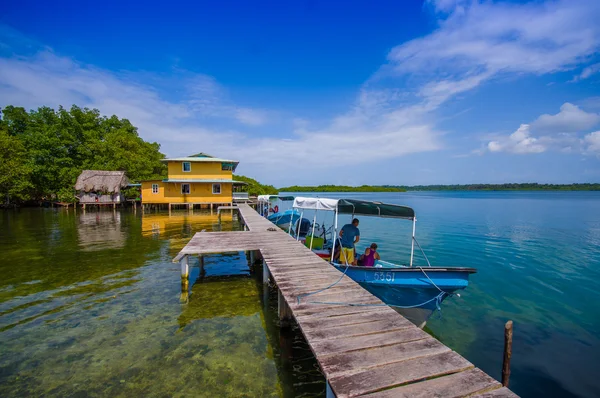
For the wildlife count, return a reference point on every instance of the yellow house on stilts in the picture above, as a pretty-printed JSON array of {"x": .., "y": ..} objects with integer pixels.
[{"x": 198, "y": 179}]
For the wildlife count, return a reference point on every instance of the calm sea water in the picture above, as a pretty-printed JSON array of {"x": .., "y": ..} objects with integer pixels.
[
  {"x": 538, "y": 261},
  {"x": 90, "y": 306},
  {"x": 89, "y": 303}
]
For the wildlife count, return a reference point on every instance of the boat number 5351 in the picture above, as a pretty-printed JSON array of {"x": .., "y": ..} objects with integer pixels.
[{"x": 384, "y": 276}]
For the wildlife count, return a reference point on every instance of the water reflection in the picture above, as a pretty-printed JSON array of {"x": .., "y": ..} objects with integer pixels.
[
  {"x": 94, "y": 310},
  {"x": 100, "y": 230},
  {"x": 184, "y": 223}
]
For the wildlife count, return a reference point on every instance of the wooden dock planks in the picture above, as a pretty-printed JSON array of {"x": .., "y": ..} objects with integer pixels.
[{"x": 362, "y": 350}]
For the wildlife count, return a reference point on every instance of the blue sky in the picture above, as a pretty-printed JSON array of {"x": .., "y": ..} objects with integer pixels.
[{"x": 315, "y": 92}]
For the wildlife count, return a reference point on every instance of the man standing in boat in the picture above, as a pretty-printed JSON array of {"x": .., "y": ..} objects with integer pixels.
[{"x": 349, "y": 236}]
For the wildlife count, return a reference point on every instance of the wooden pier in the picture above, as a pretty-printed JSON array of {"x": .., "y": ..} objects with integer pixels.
[{"x": 369, "y": 350}]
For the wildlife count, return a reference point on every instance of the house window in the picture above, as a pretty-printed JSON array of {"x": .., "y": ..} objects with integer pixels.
[
  {"x": 217, "y": 189},
  {"x": 226, "y": 167},
  {"x": 186, "y": 166},
  {"x": 154, "y": 188},
  {"x": 185, "y": 189}
]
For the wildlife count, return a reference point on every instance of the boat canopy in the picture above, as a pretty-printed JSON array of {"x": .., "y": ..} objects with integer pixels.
[
  {"x": 356, "y": 207},
  {"x": 266, "y": 198}
]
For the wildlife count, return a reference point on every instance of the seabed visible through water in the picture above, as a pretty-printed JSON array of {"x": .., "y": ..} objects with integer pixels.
[{"x": 95, "y": 311}]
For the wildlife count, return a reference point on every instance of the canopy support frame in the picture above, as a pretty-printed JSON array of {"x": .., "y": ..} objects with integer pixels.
[{"x": 412, "y": 241}]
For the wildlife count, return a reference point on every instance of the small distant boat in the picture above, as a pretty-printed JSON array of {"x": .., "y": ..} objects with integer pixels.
[
  {"x": 284, "y": 219},
  {"x": 413, "y": 291},
  {"x": 272, "y": 207}
]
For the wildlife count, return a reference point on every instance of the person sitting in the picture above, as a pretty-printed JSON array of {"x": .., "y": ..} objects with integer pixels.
[
  {"x": 368, "y": 259},
  {"x": 349, "y": 236}
]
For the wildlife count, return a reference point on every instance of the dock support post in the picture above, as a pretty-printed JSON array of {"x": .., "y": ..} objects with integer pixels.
[
  {"x": 185, "y": 268},
  {"x": 508, "y": 333},
  {"x": 251, "y": 255},
  {"x": 265, "y": 280},
  {"x": 265, "y": 273},
  {"x": 201, "y": 262},
  {"x": 328, "y": 391},
  {"x": 284, "y": 311},
  {"x": 185, "y": 272}
]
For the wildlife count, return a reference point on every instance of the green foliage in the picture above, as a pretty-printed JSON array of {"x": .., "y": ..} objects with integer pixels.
[
  {"x": 506, "y": 187},
  {"x": 15, "y": 170},
  {"x": 52, "y": 147},
  {"x": 255, "y": 188},
  {"x": 341, "y": 188}
]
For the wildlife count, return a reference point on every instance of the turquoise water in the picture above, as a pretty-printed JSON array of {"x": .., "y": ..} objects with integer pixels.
[
  {"x": 90, "y": 306},
  {"x": 89, "y": 303},
  {"x": 538, "y": 261}
]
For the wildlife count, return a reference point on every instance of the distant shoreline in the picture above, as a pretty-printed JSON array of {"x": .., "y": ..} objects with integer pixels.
[{"x": 466, "y": 187}]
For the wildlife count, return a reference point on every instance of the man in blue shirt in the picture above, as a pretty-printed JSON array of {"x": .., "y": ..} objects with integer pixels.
[{"x": 349, "y": 236}]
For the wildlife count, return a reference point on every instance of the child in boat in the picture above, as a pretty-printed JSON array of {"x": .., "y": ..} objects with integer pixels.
[{"x": 368, "y": 259}]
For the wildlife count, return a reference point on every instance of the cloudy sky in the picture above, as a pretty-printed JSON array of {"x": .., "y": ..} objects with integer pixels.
[{"x": 325, "y": 92}]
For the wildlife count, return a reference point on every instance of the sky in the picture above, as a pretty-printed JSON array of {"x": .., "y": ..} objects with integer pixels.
[{"x": 325, "y": 92}]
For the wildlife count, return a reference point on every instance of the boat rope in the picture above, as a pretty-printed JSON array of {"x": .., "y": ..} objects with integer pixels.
[
  {"x": 438, "y": 299},
  {"x": 300, "y": 296},
  {"x": 424, "y": 255}
]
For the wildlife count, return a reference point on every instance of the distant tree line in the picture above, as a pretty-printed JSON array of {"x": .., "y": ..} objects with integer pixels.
[
  {"x": 255, "y": 188},
  {"x": 342, "y": 188},
  {"x": 465, "y": 187},
  {"x": 505, "y": 187},
  {"x": 43, "y": 151}
]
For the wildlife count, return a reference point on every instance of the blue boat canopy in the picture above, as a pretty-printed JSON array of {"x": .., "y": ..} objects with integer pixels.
[{"x": 356, "y": 207}]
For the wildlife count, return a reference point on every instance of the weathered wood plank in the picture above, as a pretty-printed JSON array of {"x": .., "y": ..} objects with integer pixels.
[
  {"x": 451, "y": 386},
  {"x": 394, "y": 374},
  {"x": 353, "y": 319},
  {"x": 349, "y": 343},
  {"x": 354, "y": 330},
  {"x": 354, "y": 361},
  {"x": 499, "y": 393},
  {"x": 317, "y": 311}
]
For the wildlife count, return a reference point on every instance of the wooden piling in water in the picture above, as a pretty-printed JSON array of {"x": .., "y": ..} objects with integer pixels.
[
  {"x": 508, "y": 333},
  {"x": 284, "y": 311}
]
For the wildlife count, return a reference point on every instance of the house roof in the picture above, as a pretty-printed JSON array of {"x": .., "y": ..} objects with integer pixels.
[
  {"x": 200, "y": 157},
  {"x": 101, "y": 180}
]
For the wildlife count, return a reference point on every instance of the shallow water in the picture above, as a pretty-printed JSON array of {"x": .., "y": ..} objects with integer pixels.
[
  {"x": 538, "y": 261},
  {"x": 89, "y": 306}
]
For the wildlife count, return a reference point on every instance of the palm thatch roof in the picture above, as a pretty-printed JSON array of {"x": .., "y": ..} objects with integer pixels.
[{"x": 101, "y": 181}]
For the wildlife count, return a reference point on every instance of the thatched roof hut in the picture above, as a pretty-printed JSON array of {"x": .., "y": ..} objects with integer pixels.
[{"x": 101, "y": 181}]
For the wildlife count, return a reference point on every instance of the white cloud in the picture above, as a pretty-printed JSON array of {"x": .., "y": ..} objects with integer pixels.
[
  {"x": 557, "y": 132},
  {"x": 570, "y": 119},
  {"x": 446, "y": 5},
  {"x": 519, "y": 142},
  {"x": 587, "y": 72},
  {"x": 592, "y": 141},
  {"x": 250, "y": 117},
  {"x": 479, "y": 40},
  {"x": 204, "y": 120}
]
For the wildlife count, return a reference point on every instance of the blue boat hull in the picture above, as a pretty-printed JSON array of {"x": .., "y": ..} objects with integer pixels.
[{"x": 413, "y": 292}]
